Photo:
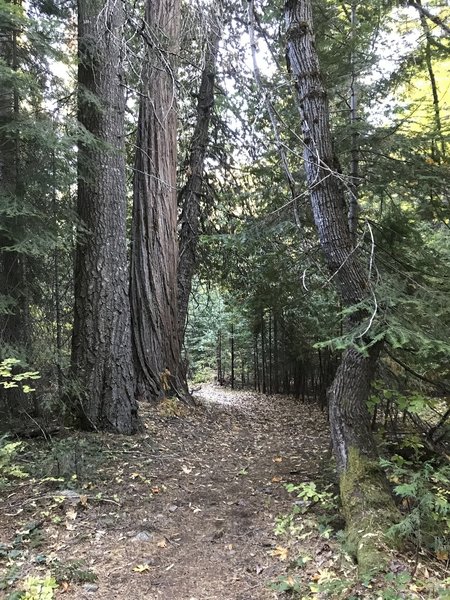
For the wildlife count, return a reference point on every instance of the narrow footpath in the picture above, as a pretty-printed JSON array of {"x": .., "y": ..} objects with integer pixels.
[{"x": 185, "y": 511}]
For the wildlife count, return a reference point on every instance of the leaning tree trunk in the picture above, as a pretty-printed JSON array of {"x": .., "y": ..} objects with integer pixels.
[
  {"x": 367, "y": 503},
  {"x": 189, "y": 198},
  {"x": 104, "y": 393},
  {"x": 154, "y": 257}
]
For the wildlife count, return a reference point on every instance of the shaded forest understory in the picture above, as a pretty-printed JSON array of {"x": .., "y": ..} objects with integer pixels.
[
  {"x": 252, "y": 193},
  {"x": 194, "y": 507}
]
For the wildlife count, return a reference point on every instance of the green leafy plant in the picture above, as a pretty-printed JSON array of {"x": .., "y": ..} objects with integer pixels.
[
  {"x": 395, "y": 586},
  {"x": 75, "y": 571},
  {"x": 307, "y": 496},
  {"x": 30, "y": 535},
  {"x": 8, "y": 468},
  {"x": 424, "y": 493},
  {"x": 287, "y": 584},
  {"x": 39, "y": 588},
  {"x": 9, "y": 379},
  {"x": 10, "y": 576},
  {"x": 328, "y": 585}
]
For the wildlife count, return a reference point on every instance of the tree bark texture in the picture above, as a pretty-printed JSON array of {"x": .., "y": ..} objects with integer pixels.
[
  {"x": 353, "y": 442},
  {"x": 189, "y": 198},
  {"x": 330, "y": 216},
  {"x": 101, "y": 344},
  {"x": 154, "y": 259},
  {"x": 355, "y": 152}
]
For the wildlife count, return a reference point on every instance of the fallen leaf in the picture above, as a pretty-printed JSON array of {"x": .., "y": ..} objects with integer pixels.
[
  {"x": 277, "y": 459},
  {"x": 83, "y": 500},
  {"x": 325, "y": 575},
  {"x": 71, "y": 514},
  {"x": 277, "y": 479},
  {"x": 280, "y": 552},
  {"x": 162, "y": 543},
  {"x": 141, "y": 568},
  {"x": 186, "y": 469}
]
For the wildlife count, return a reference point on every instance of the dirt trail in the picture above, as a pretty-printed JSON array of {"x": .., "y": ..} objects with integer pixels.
[{"x": 186, "y": 511}]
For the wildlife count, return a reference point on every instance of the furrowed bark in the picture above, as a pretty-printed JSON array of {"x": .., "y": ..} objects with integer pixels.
[
  {"x": 154, "y": 257},
  {"x": 102, "y": 366},
  {"x": 354, "y": 163},
  {"x": 367, "y": 503}
]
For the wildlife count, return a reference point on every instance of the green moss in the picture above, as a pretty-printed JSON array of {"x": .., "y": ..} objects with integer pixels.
[{"x": 369, "y": 511}]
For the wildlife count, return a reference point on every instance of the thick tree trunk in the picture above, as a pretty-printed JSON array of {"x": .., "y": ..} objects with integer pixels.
[
  {"x": 154, "y": 258},
  {"x": 101, "y": 345},
  {"x": 355, "y": 152},
  {"x": 367, "y": 504},
  {"x": 189, "y": 198}
]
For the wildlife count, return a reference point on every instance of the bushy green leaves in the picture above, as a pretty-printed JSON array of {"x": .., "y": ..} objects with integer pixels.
[
  {"x": 10, "y": 378},
  {"x": 8, "y": 468},
  {"x": 424, "y": 492}
]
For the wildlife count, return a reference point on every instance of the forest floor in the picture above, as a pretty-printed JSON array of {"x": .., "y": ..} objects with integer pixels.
[{"x": 185, "y": 511}]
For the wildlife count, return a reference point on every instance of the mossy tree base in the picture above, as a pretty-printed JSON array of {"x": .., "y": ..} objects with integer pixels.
[{"x": 369, "y": 512}]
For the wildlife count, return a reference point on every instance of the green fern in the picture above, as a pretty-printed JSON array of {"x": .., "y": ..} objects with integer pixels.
[{"x": 424, "y": 492}]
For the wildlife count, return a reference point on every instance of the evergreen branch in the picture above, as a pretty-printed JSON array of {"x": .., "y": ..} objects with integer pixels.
[{"x": 438, "y": 385}]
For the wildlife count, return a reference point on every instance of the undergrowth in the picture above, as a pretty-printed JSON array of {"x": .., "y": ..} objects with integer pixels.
[
  {"x": 423, "y": 491},
  {"x": 316, "y": 565},
  {"x": 9, "y": 469}
]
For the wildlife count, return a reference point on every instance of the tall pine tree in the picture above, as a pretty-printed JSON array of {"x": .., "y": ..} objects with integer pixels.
[{"x": 102, "y": 365}]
